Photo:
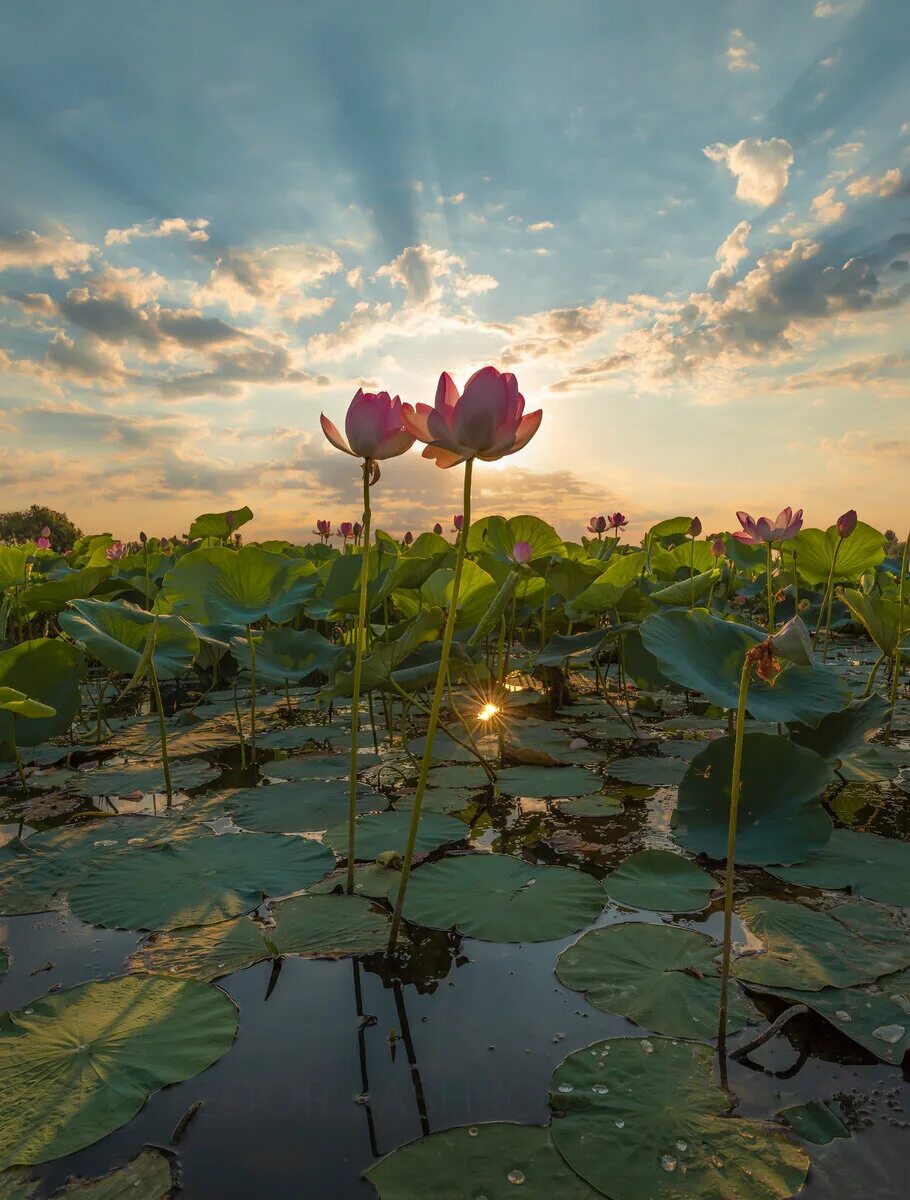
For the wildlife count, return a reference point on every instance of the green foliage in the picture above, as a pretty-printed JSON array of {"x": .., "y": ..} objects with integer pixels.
[{"x": 26, "y": 526}]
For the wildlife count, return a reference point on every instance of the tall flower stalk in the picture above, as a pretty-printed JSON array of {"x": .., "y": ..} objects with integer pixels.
[
  {"x": 375, "y": 431},
  {"x": 768, "y": 533},
  {"x": 844, "y": 526}
]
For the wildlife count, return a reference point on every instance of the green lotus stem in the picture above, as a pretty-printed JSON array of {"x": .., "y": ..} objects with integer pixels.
[
  {"x": 162, "y": 731},
  {"x": 900, "y": 633},
  {"x": 104, "y": 688},
  {"x": 770, "y": 594},
  {"x": 692, "y": 571},
  {"x": 731, "y": 853},
  {"x": 148, "y": 596},
  {"x": 240, "y": 731},
  {"x": 795, "y": 586},
  {"x": 441, "y": 674},
  {"x": 872, "y": 674},
  {"x": 543, "y": 611},
  {"x": 16, "y": 755},
  {"x": 249, "y": 642},
  {"x": 826, "y": 603},
  {"x": 359, "y": 639}
]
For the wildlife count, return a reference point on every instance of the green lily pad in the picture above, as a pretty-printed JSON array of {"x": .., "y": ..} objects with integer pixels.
[
  {"x": 705, "y": 653},
  {"x": 843, "y": 733},
  {"x": 377, "y": 832},
  {"x": 198, "y": 881},
  {"x": 591, "y": 806},
  {"x": 150, "y": 1176},
  {"x": 457, "y": 776},
  {"x": 548, "y": 782},
  {"x": 651, "y": 771},
  {"x": 780, "y": 817},
  {"x": 48, "y": 670},
  {"x": 80, "y": 1063},
  {"x": 661, "y": 977},
  {"x": 814, "y": 1122},
  {"x": 145, "y": 777},
  {"x": 447, "y": 750},
  {"x": 501, "y": 899},
  {"x": 808, "y": 949},
  {"x": 217, "y": 586},
  {"x": 291, "y": 738},
  {"x": 660, "y": 880},
  {"x": 312, "y": 926},
  {"x": 486, "y": 1160},
  {"x": 370, "y": 879},
  {"x": 644, "y": 1120},
  {"x": 314, "y": 766},
  {"x": 4, "y": 962},
  {"x": 438, "y": 800},
  {"x": 297, "y": 807},
  {"x": 116, "y": 632},
  {"x": 867, "y": 865}
]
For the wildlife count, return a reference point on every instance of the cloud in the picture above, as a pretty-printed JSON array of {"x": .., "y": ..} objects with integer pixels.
[
  {"x": 31, "y": 251},
  {"x": 827, "y": 209},
  {"x": 826, "y": 9},
  {"x": 457, "y": 198},
  {"x": 884, "y": 186},
  {"x": 539, "y": 226},
  {"x": 847, "y": 150},
  {"x": 271, "y": 278},
  {"x": 233, "y": 370},
  {"x": 420, "y": 270},
  {"x": 761, "y": 168},
  {"x": 193, "y": 231},
  {"x": 730, "y": 253},
  {"x": 85, "y": 361},
  {"x": 885, "y": 373},
  {"x": 738, "y": 52}
]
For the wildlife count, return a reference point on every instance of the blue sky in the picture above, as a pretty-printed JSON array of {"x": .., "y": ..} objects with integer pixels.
[{"x": 686, "y": 228}]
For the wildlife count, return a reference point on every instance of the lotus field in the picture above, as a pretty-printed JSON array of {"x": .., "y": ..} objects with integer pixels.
[{"x": 473, "y": 863}]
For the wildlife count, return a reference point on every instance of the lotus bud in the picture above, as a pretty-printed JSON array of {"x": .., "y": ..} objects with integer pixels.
[
  {"x": 846, "y": 523},
  {"x": 694, "y": 527},
  {"x": 718, "y": 549},
  {"x": 357, "y": 530},
  {"x": 143, "y": 537},
  {"x": 46, "y": 531},
  {"x": 346, "y": 530},
  {"x": 409, "y": 538},
  {"x": 618, "y": 521},
  {"x": 522, "y": 553},
  {"x": 457, "y": 523},
  {"x": 792, "y": 643},
  {"x": 597, "y": 525},
  {"x": 437, "y": 528}
]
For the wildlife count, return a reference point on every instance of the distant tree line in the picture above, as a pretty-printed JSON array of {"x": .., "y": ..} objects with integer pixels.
[{"x": 27, "y": 526}]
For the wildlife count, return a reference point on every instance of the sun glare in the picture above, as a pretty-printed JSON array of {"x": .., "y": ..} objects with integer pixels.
[{"x": 488, "y": 712}]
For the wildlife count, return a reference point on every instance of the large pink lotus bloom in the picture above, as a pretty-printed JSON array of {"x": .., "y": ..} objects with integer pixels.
[
  {"x": 116, "y": 552},
  {"x": 759, "y": 533},
  {"x": 373, "y": 425},
  {"x": 597, "y": 525},
  {"x": 618, "y": 521},
  {"x": 846, "y": 523},
  {"x": 486, "y": 421},
  {"x": 522, "y": 553}
]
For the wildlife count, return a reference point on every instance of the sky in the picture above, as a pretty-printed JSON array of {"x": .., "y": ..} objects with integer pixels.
[{"x": 684, "y": 227}]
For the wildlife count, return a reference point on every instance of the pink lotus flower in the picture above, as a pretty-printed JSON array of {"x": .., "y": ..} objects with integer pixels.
[
  {"x": 759, "y": 533},
  {"x": 116, "y": 552},
  {"x": 46, "y": 531},
  {"x": 373, "y": 425},
  {"x": 437, "y": 528},
  {"x": 718, "y": 548},
  {"x": 694, "y": 527},
  {"x": 486, "y": 421},
  {"x": 597, "y": 525},
  {"x": 457, "y": 523},
  {"x": 43, "y": 543},
  {"x": 846, "y": 523},
  {"x": 618, "y": 521},
  {"x": 345, "y": 530},
  {"x": 408, "y": 538},
  {"x": 323, "y": 529},
  {"x": 522, "y": 553}
]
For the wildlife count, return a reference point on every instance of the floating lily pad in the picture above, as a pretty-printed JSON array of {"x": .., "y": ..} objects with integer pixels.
[
  {"x": 814, "y": 1122},
  {"x": 662, "y": 977},
  {"x": 651, "y": 771},
  {"x": 292, "y": 738},
  {"x": 198, "y": 881},
  {"x": 370, "y": 880},
  {"x": 306, "y": 807},
  {"x": 145, "y": 777},
  {"x": 439, "y": 800},
  {"x": 457, "y": 776},
  {"x": 4, "y": 962},
  {"x": 868, "y": 865},
  {"x": 315, "y": 766},
  {"x": 80, "y": 1063},
  {"x": 486, "y": 1160},
  {"x": 644, "y": 1119},
  {"x": 313, "y": 926},
  {"x": 809, "y": 950},
  {"x": 548, "y": 782},
  {"x": 660, "y": 880},
  {"x": 150, "y": 1176},
  {"x": 501, "y": 899},
  {"x": 591, "y": 806},
  {"x": 780, "y": 817},
  {"x": 445, "y": 749},
  {"x": 377, "y": 832}
]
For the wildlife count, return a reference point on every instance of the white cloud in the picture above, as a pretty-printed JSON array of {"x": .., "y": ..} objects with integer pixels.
[
  {"x": 826, "y": 9},
  {"x": 827, "y": 209},
  {"x": 761, "y": 168},
  {"x": 455, "y": 199},
  {"x": 272, "y": 278},
  {"x": 886, "y": 185},
  {"x": 730, "y": 253},
  {"x": 847, "y": 150},
  {"x": 739, "y": 51},
  {"x": 473, "y": 285},
  {"x": 31, "y": 251},
  {"x": 538, "y": 226},
  {"x": 193, "y": 231}
]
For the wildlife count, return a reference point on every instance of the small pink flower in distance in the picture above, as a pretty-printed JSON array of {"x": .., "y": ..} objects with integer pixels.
[
  {"x": 116, "y": 552},
  {"x": 345, "y": 530},
  {"x": 786, "y": 525},
  {"x": 357, "y": 530},
  {"x": 694, "y": 527},
  {"x": 323, "y": 529},
  {"x": 718, "y": 548},
  {"x": 408, "y": 538},
  {"x": 43, "y": 543},
  {"x": 437, "y": 528},
  {"x": 373, "y": 426},
  {"x": 618, "y": 521},
  {"x": 487, "y": 420},
  {"x": 597, "y": 525},
  {"x": 46, "y": 531},
  {"x": 457, "y": 523},
  {"x": 846, "y": 523},
  {"x": 522, "y": 553}
]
